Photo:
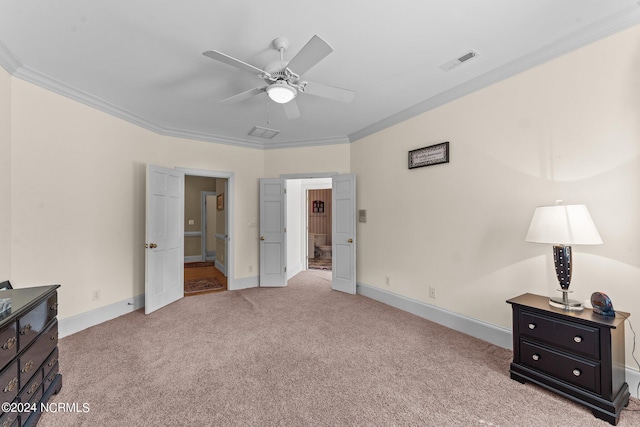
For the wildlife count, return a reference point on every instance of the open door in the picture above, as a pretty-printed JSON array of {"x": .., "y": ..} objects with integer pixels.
[
  {"x": 344, "y": 233},
  {"x": 164, "y": 254},
  {"x": 272, "y": 233}
]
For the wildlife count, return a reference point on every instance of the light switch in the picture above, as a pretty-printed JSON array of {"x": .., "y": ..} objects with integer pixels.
[{"x": 192, "y": 221}]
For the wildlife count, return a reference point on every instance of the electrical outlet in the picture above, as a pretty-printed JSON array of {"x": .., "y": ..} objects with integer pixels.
[
  {"x": 95, "y": 295},
  {"x": 387, "y": 281},
  {"x": 432, "y": 292}
]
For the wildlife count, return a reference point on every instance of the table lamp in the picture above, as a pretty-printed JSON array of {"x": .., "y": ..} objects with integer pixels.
[{"x": 563, "y": 226}]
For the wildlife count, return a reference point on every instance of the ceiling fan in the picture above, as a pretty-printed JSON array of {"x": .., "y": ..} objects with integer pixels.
[{"x": 284, "y": 78}]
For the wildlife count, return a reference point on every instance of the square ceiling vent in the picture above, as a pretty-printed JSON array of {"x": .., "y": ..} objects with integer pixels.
[{"x": 265, "y": 133}]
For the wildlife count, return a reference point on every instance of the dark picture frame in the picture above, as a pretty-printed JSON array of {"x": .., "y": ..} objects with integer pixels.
[{"x": 429, "y": 156}]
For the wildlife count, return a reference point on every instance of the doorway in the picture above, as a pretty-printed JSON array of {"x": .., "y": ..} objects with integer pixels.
[
  {"x": 307, "y": 229},
  {"x": 206, "y": 234},
  {"x": 275, "y": 231}
]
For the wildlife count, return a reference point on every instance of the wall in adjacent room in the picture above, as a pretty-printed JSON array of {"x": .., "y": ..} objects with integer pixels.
[
  {"x": 79, "y": 196},
  {"x": 194, "y": 186},
  {"x": 568, "y": 129},
  {"x": 5, "y": 175}
]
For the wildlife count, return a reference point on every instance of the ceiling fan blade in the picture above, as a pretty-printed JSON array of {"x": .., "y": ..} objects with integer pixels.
[
  {"x": 219, "y": 56},
  {"x": 242, "y": 96},
  {"x": 312, "y": 53},
  {"x": 331, "y": 92},
  {"x": 291, "y": 109}
]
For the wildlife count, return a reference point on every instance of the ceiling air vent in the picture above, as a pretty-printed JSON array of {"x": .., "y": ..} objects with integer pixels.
[
  {"x": 263, "y": 132},
  {"x": 454, "y": 63}
]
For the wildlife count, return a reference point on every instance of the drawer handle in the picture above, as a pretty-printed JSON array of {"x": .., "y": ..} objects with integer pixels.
[
  {"x": 12, "y": 384},
  {"x": 53, "y": 362},
  {"x": 10, "y": 343},
  {"x": 26, "y": 329},
  {"x": 54, "y": 306},
  {"x": 577, "y": 339},
  {"x": 33, "y": 388},
  {"x": 577, "y": 372},
  {"x": 532, "y": 325},
  {"x": 535, "y": 357},
  {"x": 27, "y": 366}
]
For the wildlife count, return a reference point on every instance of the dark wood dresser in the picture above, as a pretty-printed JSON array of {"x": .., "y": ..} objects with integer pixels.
[
  {"x": 578, "y": 355},
  {"x": 28, "y": 354}
]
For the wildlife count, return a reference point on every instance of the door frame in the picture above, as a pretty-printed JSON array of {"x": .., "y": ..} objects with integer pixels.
[
  {"x": 203, "y": 223},
  {"x": 230, "y": 215},
  {"x": 305, "y": 189},
  {"x": 310, "y": 175}
]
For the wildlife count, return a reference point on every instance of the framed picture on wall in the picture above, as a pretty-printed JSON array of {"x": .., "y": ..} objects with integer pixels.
[
  {"x": 220, "y": 202},
  {"x": 428, "y": 156}
]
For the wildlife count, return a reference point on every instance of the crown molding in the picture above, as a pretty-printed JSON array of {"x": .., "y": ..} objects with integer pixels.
[
  {"x": 13, "y": 66},
  {"x": 332, "y": 140},
  {"x": 8, "y": 60},
  {"x": 598, "y": 30}
]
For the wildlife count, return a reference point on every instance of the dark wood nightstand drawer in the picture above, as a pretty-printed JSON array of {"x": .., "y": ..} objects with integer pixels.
[
  {"x": 576, "y": 338},
  {"x": 32, "y": 323},
  {"x": 9, "y": 419},
  {"x": 581, "y": 373},
  {"x": 9, "y": 383},
  {"x": 31, "y": 393},
  {"x": 32, "y": 359},
  {"x": 8, "y": 344}
]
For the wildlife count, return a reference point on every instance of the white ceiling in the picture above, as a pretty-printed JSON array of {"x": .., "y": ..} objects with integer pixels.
[{"x": 142, "y": 60}]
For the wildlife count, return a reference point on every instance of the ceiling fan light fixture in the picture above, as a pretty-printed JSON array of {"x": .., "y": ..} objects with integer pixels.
[{"x": 281, "y": 92}]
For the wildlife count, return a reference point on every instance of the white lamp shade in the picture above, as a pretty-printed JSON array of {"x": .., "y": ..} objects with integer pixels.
[
  {"x": 563, "y": 225},
  {"x": 281, "y": 92}
]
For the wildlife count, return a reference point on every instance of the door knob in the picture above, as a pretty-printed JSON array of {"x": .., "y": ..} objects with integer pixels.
[
  {"x": 261, "y": 237},
  {"x": 350, "y": 241},
  {"x": 153, "y": 246}
]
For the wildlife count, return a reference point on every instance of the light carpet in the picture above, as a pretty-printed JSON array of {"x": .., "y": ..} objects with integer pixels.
[{"x": 303, "y": 355}]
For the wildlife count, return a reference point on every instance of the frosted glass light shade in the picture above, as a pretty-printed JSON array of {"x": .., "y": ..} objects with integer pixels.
[
  {"x": 563, "y": 225},
  {"x": 281, "y": 92}
]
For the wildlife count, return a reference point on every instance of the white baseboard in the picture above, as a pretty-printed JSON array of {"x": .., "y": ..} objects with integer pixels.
[
  {"x": 193, "y": 258},
  {"x": 293, "y": 270},
  {"x": 633, "y": 379},
  {"x": 221, "y": 267},
  {"x": 476, "y": 328},
  {"x": 245, "y": 283},
  {"x": 73, "y": 324}
]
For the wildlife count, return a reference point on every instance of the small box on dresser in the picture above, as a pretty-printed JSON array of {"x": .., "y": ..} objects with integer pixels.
[
  {"x": 576, "y": 354},
  {"x": 29, "y": 373}
]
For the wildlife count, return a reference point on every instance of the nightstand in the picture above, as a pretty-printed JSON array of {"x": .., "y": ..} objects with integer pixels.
[{"x": 578, "y": 355}]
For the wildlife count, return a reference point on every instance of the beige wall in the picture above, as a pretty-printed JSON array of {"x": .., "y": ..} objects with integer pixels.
[
  {"x": 79, "y": 190},
  {"x": 568, "y": 129},
  {"x": 328, "y": 158},
  {"x": 78, "y": 193},
  {"x": 5, "y": 175}
]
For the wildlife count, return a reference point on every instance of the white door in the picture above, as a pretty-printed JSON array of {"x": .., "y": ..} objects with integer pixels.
[
  {"x": 344, "y": 233},
  {"x": 272, "y": 233},
  {"x": 164, "y": 256}
]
